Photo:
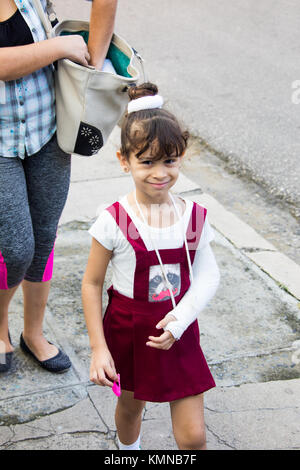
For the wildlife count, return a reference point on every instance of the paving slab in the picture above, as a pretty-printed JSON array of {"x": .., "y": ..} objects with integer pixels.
[
  {"x": 256, "y": 416},
  {"x": 72, "y": 441},
  {"x": 27, "y": 390}
]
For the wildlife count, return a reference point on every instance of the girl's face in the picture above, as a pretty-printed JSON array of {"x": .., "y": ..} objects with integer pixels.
[{"x": 153, "y": 178}]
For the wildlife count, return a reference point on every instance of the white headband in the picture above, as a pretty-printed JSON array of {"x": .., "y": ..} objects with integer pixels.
[{"x": 146, "y": 102}]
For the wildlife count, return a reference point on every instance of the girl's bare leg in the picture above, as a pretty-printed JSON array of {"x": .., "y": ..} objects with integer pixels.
[
  {"x": 128, "y": 417},
  {"x": 188, "y": 422}
]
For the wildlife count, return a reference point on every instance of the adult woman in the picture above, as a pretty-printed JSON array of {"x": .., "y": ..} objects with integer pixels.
[{"x": 34, "y": 172}]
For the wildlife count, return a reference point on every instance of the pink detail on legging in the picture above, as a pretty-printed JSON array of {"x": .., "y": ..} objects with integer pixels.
[
  {"x": 3, "y": 273},
  {"x": 49, "y": 268}
]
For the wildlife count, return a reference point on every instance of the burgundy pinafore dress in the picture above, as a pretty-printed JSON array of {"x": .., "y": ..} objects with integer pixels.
[{"x": 155, "y": 375}]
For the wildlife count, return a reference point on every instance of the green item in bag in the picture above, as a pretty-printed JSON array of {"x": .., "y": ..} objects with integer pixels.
[{"x": 119, "y": 60}]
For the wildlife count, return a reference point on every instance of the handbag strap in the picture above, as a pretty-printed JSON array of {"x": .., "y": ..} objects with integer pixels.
[
  {"x": 141, "y": 62},
  {"x": 43, "y": 17}
]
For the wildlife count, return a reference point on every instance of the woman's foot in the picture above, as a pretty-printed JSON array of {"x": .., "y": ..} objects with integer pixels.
[
  {"x": 57, "y": 362},
  {"x": 40, "y": 347}
]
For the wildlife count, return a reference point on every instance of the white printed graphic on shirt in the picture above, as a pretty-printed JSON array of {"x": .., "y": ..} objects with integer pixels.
[
  {"x": 2, "y": 92},
  {"x": 158, "y": 289}
]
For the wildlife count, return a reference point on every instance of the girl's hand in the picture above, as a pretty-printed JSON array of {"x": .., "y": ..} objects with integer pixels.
[
  {"x": 102, "y": 366},
  {"x": 166, "y": 340}
]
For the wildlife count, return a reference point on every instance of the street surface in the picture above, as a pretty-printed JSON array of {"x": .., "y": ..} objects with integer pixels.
[{"x": 228, "y": 69}]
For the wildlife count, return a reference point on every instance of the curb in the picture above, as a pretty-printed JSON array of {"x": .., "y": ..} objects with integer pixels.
[{"x": 277, "y": 265}]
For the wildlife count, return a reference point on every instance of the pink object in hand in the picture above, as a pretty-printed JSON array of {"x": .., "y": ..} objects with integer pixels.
[{"x": 116, "y": 388}]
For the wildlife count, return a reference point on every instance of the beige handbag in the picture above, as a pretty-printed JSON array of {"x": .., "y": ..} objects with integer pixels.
[{"x": 89, "y": 102}]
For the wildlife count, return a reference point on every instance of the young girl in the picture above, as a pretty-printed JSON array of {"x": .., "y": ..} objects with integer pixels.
[{"x": 164, "y": 273}]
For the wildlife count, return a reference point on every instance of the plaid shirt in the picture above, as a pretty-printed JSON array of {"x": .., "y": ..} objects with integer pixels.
[{"x": 27, "y": 105}]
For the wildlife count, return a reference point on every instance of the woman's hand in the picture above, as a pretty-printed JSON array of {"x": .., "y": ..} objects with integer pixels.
[
  {"x": 102, "y": 366},
  {"x": 75, "y": 49},
  {"x": 166, "y": 340},
  {"x": 19, "y": 61}
]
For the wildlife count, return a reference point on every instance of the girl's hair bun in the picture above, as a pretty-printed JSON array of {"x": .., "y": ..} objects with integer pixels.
[{"x": 145, "y": 89}]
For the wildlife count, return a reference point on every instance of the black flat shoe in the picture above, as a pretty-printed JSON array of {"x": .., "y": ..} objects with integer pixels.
[
  {"x": 6, "y": 359},
  {"x": 59, "y": 363}
]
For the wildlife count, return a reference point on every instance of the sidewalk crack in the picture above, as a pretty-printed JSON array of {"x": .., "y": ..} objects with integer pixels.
[
  {"x": 246, "y": 249},
  {"x": 220, "y": 441},
  {"x": 109, "y": 431}
]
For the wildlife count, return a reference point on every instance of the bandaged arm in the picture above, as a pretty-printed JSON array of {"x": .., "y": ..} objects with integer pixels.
[{"x": 206, "y": 280}]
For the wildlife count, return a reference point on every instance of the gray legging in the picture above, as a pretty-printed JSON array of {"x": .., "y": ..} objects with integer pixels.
[{"x": 33, "y": 193}]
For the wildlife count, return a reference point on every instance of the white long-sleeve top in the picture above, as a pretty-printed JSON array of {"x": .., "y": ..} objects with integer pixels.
[
  {"x": 206, "y": 280},
  {"x": 205, "y": 270}
]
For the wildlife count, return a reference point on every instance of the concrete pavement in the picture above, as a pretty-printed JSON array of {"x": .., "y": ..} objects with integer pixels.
[{"x": 249, "y": 333}]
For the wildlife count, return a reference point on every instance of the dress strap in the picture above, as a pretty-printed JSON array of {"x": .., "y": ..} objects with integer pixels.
[
  {"x": 195, "y": 227},
  {"x": 184, "y": 237},
  {"x": 126, "y": 225}
]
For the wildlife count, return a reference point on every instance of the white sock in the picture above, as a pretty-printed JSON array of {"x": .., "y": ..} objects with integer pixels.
[{"x": 134, "y": 446}]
